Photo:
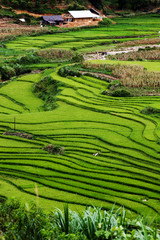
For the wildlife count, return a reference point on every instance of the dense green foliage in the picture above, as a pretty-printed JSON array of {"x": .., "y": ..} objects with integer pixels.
[
  {"x": 42, "y": 6},
  {"x": 32, "y": 223},
  {"x": 150, "y": 111},
  {"x": 9, "y": 71},
  {"x": 68, "y": 71}
]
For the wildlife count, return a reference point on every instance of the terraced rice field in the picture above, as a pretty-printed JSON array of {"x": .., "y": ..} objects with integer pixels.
[
  {"x": 87, "y": 39},
  {"x": 124, "y": 172},
  {"x": 111, "y": 150}
]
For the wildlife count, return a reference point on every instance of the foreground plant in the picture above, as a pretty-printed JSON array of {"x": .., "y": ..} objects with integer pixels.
[{"x": 30, "y": 222}]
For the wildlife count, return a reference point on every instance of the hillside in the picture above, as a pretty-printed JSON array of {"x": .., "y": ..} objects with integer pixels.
[
  {"x": 59, "y": 6},
  {"x": 69, "y": 133}
]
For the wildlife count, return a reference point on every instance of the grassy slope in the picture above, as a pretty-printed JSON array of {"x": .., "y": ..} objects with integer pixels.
[{"x": 125, "y": 172}]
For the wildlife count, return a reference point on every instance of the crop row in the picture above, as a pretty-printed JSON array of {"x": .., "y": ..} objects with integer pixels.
[{"x": 110, "y": 148}]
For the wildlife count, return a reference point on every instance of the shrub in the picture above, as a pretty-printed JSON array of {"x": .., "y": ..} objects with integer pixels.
[
  {"x": 78, "y": 58},
  {"x": 76, "y": 6},
  {"x": 7, "y": 72},
  {"x": 25, "y": 223},
  {"x": 52, "y": 149},
  {"x": 114, "y": 84},
  {"x": 29, "y": 222},
  {"x": 121, "y": 93},
  {"x": 150, "y": 110},
  {"x": 105, "y": 22},
  {"x": 67, "y": 71},
  {"x": 29, "y": 59},
  {"x": 20, "y": 69}
]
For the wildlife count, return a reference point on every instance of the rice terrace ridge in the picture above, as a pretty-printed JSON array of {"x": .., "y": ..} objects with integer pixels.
[{"x": 79, "y": 125}]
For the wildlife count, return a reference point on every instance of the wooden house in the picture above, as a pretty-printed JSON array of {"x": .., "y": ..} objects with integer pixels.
[
  {"x": 81, "y": 16},
  {"x": 52, "y": 20}
]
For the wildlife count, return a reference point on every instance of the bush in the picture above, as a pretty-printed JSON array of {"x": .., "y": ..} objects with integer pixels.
[
  {"x": 7, "y": 72},
  {"x": 25, "y": 223},
  {"x": 114, "y": 84},
  {"x": 29, "y": 222},
  {"x": 67, "y": 71},
  {"x": 150, "y": 110},
  {"x": 78, "y": 57},
  {"x": 54, "y": 149},
  {"x": 121, "y": 93},
  {"x": 20, "y": 69},
  {"x": 76, "y": 6},
  {"x": 29, "y": 59},
  {"x": 105, "y": 22}
]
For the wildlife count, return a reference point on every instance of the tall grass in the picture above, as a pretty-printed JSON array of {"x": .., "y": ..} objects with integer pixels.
[
  {"x": 139, "y": 42},
  {"x": 153, "y": 54},
  {"x": 96, "y": 223},
  {"x": 130, "y": 76}
]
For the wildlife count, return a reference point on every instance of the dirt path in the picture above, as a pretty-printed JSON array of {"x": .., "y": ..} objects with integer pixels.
[
  {"x": 102, "y": 55},
  {"x": 24, "y": 11}
]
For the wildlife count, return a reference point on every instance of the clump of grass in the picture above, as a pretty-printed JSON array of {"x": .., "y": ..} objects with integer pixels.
[
  {"x": 54, "y": 149},
  {"x": 98, "y": 224}
]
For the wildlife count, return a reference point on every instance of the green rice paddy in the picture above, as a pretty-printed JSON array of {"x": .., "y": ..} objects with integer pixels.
[
  {"x": 126, "y": 28},
  {"x": 111, "y": 150}
]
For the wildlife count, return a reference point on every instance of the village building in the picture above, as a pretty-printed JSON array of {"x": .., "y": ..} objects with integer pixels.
[
  {"x": 81, "y": 16},
  {"x": 52, "y": 20}
]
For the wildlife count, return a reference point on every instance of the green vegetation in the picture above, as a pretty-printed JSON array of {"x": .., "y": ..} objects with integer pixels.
[
  {"x": 7, "y": 12},
  {"x": 150, "y": 111},
  {"x": 30, "y": 222},
  {"x": 47, "y": 89},
  {"x": 92, "y": 39},
  {"x": 111, "y": 148},
  {"x": 42, "y": 6}
]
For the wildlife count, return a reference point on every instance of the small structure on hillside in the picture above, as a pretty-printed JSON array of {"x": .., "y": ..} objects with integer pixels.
[
  {"x": 81, "y": 16},
  {"x": 22, "y": 20},
  {"x": 52, "y": 20}
]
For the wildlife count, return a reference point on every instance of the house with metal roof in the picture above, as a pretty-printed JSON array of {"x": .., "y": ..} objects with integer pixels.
[
  {"x": 52, "y": 20},
  {"x": 80, "y": 16}
]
